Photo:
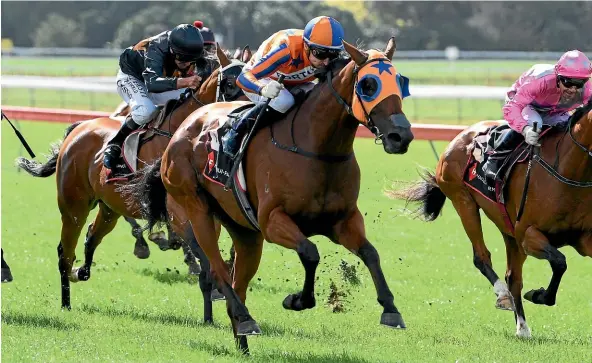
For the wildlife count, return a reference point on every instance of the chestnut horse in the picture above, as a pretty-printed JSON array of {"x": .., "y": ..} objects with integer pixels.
[
  {"x": 81, "y": 184},
  {"x": 297, "y": 192},
  {"x": 557, "y": 211},
  {"x": 141, "y": 249}
]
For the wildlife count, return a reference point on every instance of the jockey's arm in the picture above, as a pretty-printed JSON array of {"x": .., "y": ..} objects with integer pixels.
[
  {"x": 513, "y": 108},
  {"x": 266, "y": 66},
  {"x": 153, "y": 71}
]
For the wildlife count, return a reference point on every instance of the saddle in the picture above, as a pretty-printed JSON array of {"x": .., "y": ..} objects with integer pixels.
[{"x": 132, "y": 144}]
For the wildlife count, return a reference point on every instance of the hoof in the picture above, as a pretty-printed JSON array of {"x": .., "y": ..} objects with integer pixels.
[
  {"x": 248, "y": 327},
  {"x": 79, "y": 274},
  {"x": 6, "y": 275},
  {"x": 523, "y": 332},
  {"x": 296, "y": 303},
  {"x": 504, "y": 302},
  {"x": 160, "y": 239},
  {"x": 217, "y": 295},
  {"x": 74, "y": 275},
  {"x": 392, "y": 320},
  {"x": 142, "y": 252},
  {"x": 538, "y": 297},
  {"x": 194, "y": 268}
]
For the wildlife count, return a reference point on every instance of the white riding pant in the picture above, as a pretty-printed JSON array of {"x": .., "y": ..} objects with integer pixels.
[
  {"x": 142, "y": 103},
  {"x": 284, "y": 100}
]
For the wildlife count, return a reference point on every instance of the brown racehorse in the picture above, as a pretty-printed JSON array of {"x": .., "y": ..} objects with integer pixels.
[
  {"x": 310, "y": 191},
  {"x": 81, "y": 185},
  {"x": 141, "y": 249},
  {"x": 557, "y": 212}
]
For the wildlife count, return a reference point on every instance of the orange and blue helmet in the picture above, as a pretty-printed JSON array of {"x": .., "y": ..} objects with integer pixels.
[{"x": 324, "y": 32}]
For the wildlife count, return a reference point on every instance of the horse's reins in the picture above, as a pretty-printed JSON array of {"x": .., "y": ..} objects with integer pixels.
[
  {"x": 553, "y": 171},
  {"x": 192, "y": 93},
  {"x": 369, "y": 122},
  {"x": 550, "y": 169}
]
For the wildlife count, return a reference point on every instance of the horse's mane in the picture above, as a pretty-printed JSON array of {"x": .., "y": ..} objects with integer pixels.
[{"x": 580, "y": 112}]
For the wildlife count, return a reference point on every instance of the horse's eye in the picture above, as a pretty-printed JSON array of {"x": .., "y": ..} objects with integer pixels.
[{"x": 368, "y": 87}]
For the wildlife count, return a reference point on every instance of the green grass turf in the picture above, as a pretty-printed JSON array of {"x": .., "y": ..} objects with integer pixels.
[{"x": 148, "y": 310}]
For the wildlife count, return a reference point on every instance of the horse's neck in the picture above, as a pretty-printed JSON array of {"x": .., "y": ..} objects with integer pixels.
[
  {"x": 325, "y": 127},
  {"x": 575, "y": 163},
  {"x": 205, "y": 95}
]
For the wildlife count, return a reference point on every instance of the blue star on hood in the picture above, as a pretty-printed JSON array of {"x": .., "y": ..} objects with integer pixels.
[{"x": 383, "y": 66}]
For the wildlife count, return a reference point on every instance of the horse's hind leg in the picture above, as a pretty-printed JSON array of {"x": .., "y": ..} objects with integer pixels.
[
  {"x": 515, "y": 260},
  {"x": 73, "y": 219},
  {"x": 536, "y": 244},
  {"x": 141, "y": 249},
  {"x": 468, "y": 212},
  {"x": 103, "y": 224},
  {"x": 206, "y": 233},
  {"x": 351, "y": 235}
]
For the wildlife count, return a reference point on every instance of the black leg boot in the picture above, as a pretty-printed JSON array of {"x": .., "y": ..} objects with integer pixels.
[{"x": 113, "y": 150}]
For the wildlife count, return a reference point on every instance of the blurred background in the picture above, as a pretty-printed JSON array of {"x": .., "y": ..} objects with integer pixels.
[{"x": 460, "y": 56}]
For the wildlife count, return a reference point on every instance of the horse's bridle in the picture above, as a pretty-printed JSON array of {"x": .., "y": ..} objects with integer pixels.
[
  {"x": 220, "y": 97},
  {"x": 369, "y": 122},
  {"x": 552, "y": 169}
]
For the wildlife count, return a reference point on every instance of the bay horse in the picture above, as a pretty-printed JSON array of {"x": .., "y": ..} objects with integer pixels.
[
  {"x": 81, "y": 185},
  {"x": 141, "y": 249},
  {"x": 557, "y": 211},
  {"x": 298, "y": 192}
]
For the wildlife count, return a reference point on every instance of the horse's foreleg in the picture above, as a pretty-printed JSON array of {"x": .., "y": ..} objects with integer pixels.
[
  {"x": 280, "y": 229},
  {"x": 350, "y": 233},
  {"x": 248, "y": 246},
  {"x": 141, "y": 249},
  {"x": 536, "y": 244}
]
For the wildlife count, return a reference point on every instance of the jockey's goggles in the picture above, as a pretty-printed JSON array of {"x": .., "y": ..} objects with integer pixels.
[
  {"x": 322, "y": 54},
  {"x": 185, "y": 58},
  {"x": 573, "y": 82}
]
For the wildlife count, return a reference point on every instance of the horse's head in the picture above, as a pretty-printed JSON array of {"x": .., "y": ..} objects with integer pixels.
[
  {"x": 377, "y": 95},
  {"x": 221, "y": 84}
]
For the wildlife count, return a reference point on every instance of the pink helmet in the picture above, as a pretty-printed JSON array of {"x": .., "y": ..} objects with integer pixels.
[{"x": 574, "y": 64}]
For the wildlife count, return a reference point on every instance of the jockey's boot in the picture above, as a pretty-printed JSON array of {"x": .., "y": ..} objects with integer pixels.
[
  {"x": 491, "y": 167},
  {"x": 113, "y": 150},
  {"x": 502, "y": 150},
  {"x": 232, "y": 140}
]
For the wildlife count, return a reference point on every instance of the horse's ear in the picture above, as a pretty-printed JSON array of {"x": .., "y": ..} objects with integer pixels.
[
  {"x": 222, "y": 58},
  {"x": 246, "y": 54},
  {"x": 237, "y": 53},
  {"x": 391, "y": 46},
  {"x": 357, "y": 55}
]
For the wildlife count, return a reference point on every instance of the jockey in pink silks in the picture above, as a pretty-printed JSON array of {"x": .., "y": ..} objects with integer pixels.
[{"x": 544, "y": 95}]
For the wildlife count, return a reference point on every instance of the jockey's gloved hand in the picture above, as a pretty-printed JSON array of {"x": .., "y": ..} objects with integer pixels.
[
  {"x": 272, "y": 89},
  {"x": 530, "y": 136}
]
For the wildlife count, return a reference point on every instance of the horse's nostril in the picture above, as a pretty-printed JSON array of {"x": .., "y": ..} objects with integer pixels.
[{"x": 394, "y": 137}]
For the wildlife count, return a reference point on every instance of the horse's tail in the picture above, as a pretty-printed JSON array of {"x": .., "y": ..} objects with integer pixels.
[
  {"x": 427, "y": 193},
  {"x": 44, "y": 170},
  {"x": 147, "y": 191}
]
